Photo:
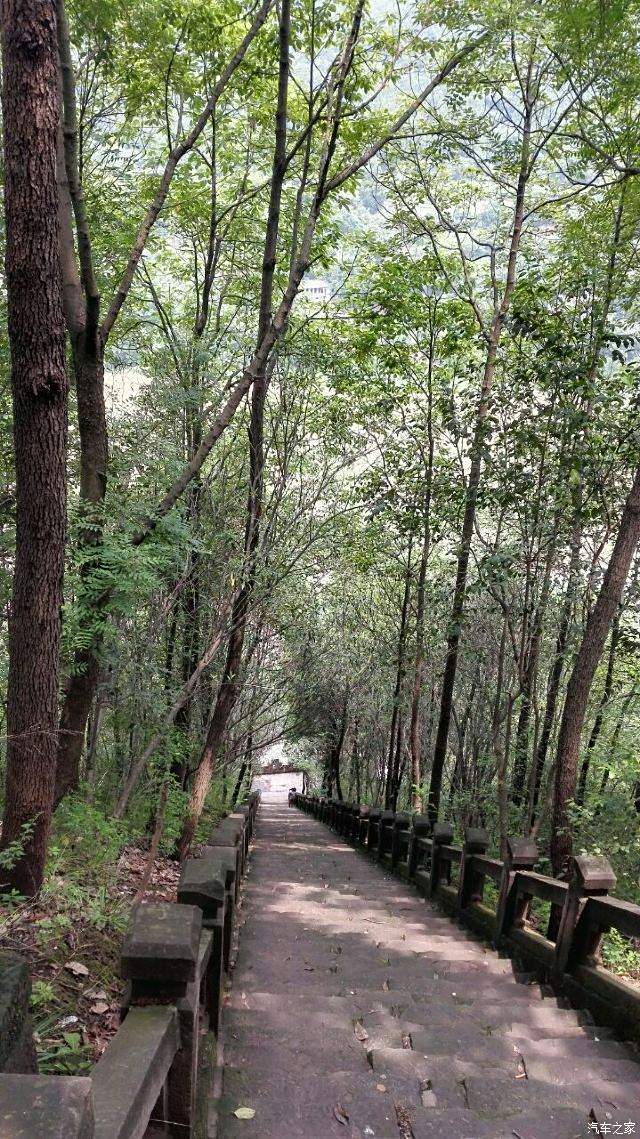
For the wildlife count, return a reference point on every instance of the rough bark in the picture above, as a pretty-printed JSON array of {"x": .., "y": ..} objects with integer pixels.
[{"x": 39, "y": 391}]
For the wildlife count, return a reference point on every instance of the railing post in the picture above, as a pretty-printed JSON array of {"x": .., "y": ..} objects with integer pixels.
[
  {"x": 470, "y": 889},
  {"x": 374, "y": 829},
  {"x": 34, "y": 1106},
  {"x": 442, "y": 836},
  {"x": 229, "y": 834},
  {"x": 385, "y": 833},
  {"x": 159, "y": 959},
  {"x": 401, "y": 825},
  {"x": 522, "y": 854},
  {"x": 591, "y": 877},
  {"x": 17, "y": 1049},
  {"x": 354, "y": 823},
  {"x": 420, "y": 828},
  {"x": 204, "y": 883},
  {"x": 344, "y": 816},
  {"x": 363, "y": 826}
]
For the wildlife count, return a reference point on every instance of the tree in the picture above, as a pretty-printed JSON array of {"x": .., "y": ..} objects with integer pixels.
[{"x": 39, "y": 391}]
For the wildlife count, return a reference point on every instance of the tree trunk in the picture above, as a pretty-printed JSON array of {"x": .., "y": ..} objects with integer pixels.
[
  {"x": 88, "y": 339},
  {"x": 475, "y": 471},
  {"x": 602, "y": 707},
  {"x": 397, "y": 691},
  {"x": 39, "y": 390},
  {"x": 579, "y": 686},
  {"x": 230, "y": 684},
  {"x": 82, "y": 310},
  {"x": 418, "y": 666},
  {"x": 555, "y": 675}
]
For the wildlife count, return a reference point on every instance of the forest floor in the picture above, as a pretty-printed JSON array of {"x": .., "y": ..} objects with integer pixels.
[{"x": 71, "y": 938}]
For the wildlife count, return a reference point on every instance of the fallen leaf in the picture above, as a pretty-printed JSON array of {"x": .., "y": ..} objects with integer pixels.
[
  {"x": 77, "y": 968},
  {"x": 244, "y": 1113},
  {"x": 360, "y": 1031},
  {"x": 99, "y": 1007},
  {"x": 341, "y": 1114}
]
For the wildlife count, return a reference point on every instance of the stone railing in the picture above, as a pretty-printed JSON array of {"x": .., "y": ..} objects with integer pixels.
[
  {"x": 174, "y": 959},
  {"x": 455, "y": 876}
]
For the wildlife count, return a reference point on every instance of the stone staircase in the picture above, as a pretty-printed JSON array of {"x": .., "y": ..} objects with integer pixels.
[{"x": 358, "y": 1010}]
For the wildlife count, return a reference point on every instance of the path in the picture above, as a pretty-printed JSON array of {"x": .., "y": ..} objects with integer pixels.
[{"x": 357, "y": 1009}]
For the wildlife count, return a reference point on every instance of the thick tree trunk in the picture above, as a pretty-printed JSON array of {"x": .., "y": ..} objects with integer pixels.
[
  {"x": 82, "y": 310},
  {"x": 39, "y": 389},
  {"x": 579, "y": 686}
]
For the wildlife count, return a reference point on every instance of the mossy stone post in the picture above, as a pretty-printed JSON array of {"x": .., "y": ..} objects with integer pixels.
[
  {"x": 17, "y": 1049},
  {"x": 354, "y": 823},
  {"x": 440, "y": 869},
  {"x": 591, "y": 877},
  {"x": 420, "y": 829},
  {"x": 204, "y": 882},
  {"x": 385, "y": 834},
  {"x": 363, "y": 826},
  {"x": 512, "y": 910},
  {"x": 373, "y": 830},
  {"x": 159, "y": 959},
  {"x": 470, "y": 889},
  {"x": 34, "y": 1107},
  {"x": 401, "y": 828}
]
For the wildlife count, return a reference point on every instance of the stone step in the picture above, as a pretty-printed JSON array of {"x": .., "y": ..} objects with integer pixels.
[
  {"x": 490, "y": 1014},
  {"x": 493, "y": 1097},
  {"x": 468, "y": 1039},
  {"x": 574, "y": 1047},
  {"x": 452, "y": 1040},
  {"x": 557, "y": 1123},
  {"x": 589, "y": 1069},
  {"x": 385, "y": 1023},
  {"x": 280, "y": 1023},
  {"x": 495, "y": 1085},
  {"x": 444, "y": 1075},
  {"x": 298, "y": 1058},
  {"x": 323, "y": 1105},
  {"x": 450, "y": 1000}
]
